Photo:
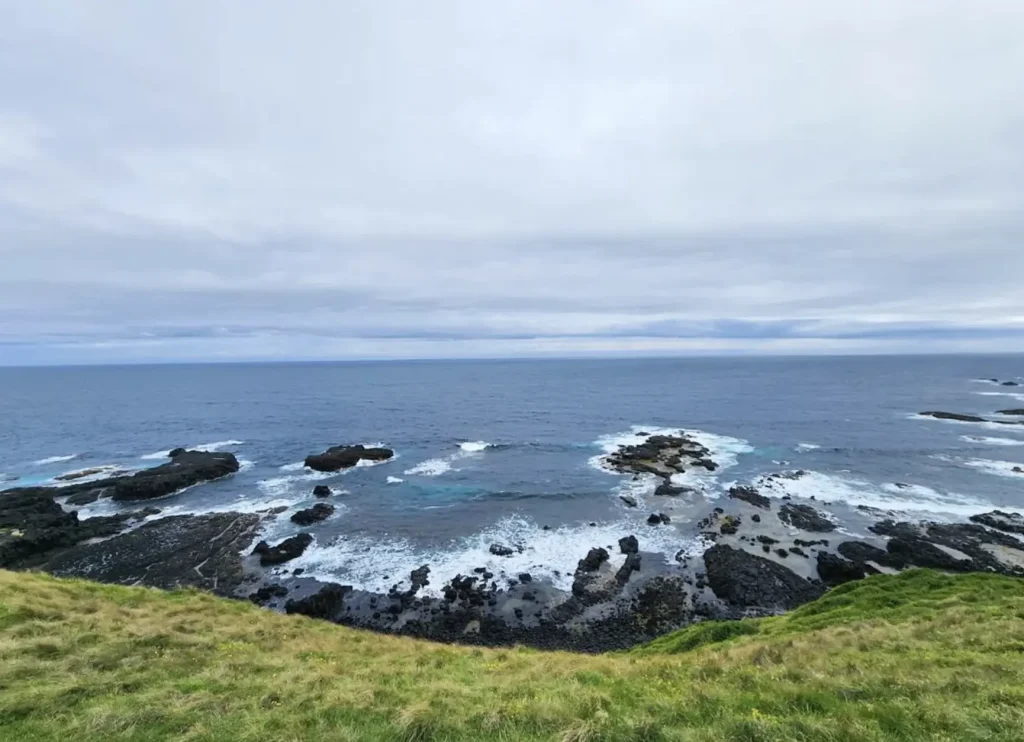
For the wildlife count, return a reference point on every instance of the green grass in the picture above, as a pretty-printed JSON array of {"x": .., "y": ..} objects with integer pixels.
[{"x": 917, "y": 656}]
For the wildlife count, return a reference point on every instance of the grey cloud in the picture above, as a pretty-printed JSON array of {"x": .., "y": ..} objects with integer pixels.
[{"x": 233, "y": 180}]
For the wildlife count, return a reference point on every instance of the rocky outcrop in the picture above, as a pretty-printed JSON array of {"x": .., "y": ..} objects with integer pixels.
[
  {"x": 953, "y": 416},
  {"x": 1016, "y": 411},
  {"x": 291, "y": 548},
  {"x": 337, "y": 458},
  {"x": 321, "y": 490},
  {"x": 326, "y": 604},
  {"x": 805, "y": 518},
  {"x": 1011, "y": 383},
  {"x": 202, "y": 551},
  {"x": 834, "y": 570},
  {"x": 268, "y": 593},
  {"x": 33, "y": 525},
  {"x": 309, "y": 516},
  {"x": 749, "y": 581},
  {"x": 501, "y": 550},
  {"x": 953, "y": 547},
  {"x": 751, "y": 496},
  {"x": 185, "y": 469},
  {"x": 629, "y": 545},
  {"x": 1009, "y": 522},
  {"x": 663, "y": 455}
]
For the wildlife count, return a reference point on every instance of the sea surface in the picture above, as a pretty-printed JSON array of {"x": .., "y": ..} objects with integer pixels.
[{"x": 493, "y": 451}]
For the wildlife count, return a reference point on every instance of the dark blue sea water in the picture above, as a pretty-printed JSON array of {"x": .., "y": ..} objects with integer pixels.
[{"x": 495, "y": 450}]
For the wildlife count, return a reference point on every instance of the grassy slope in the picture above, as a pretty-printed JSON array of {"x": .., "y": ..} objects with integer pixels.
[{"x": 911, "y": 657}]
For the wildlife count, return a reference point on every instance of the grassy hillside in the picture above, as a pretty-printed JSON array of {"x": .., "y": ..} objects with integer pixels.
[{"x": 911, "y": 657}]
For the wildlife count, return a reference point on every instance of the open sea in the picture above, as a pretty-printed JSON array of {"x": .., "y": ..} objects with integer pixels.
[{"x": 498, "y": 450}]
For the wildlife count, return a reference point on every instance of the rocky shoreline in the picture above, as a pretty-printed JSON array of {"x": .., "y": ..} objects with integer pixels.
[{"x": 748, "y": 554}]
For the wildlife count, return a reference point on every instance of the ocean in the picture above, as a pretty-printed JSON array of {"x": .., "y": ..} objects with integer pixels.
[{"x": 509, "y": 451}]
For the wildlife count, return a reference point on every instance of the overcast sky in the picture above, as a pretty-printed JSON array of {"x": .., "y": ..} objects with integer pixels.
[{"x": 257, "y": 180}]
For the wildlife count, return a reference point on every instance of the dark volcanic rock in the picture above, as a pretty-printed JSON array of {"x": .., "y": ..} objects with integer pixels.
[
  {"x": 954, "y": 416},
  {"x": 202, "y": 551},
  {"x": 326, "y": 604},
  {"x": 32, "y": 525},
  {"x": 750, "y": 495},
  {"x": 345, "y": 457},
  {"x": 419, "y": 578},
  {"x": 321, "y": 490},
  {"x": 266, "y": 594},
  {"x": 501, "y": 550},
  {"x": 956, "y": 547},
  {"x": 1009, "y": 522},
  {"x": 1010, "y": 383},
  {"x": 750, "y": 581},
  {"x": 185, "y": 469},
  {"x": 862, "y": 553},
  {"x": 654, "y": 519},
  {"x": 593, "y": 560},
  {"x": 1017, "y": 411},
  {"x": 834, "y": 570},
  {"x": 631, "y": 565},
  {"x": 629, "y": 545},
  {"x": 806, "y": 518},
  {"x": 291, "y": 548},
  {"x": 312, "y": 515},
  {"x": 629, "y": 500},
  {"x": 667, "y": 489}
]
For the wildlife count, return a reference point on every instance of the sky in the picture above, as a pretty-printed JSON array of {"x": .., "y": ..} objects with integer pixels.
[{"x": 205, "y": 180}]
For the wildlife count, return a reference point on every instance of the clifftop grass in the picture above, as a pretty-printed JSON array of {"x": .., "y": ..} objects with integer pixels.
[{"x": 916, "y": 656}]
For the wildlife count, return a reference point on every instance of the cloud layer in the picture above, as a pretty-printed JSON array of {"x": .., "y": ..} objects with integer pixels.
[{"x": 214, "y": 180}]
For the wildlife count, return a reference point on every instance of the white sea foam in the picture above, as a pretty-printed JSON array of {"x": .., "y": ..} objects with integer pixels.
[
  {"x": 245, "y": 464},
  {"x": 430, "y": 468},
  {"x": 992, "y": 441},
  {"x": 853, "y": 492},
  {"x": 157, "y": 455},
  {"x": 807, "y": 447},
  {"x": 216, "y": 446},
  {"x": 395, "y": 480},
  {"x": 1000, "y": 468},
  {"x": 100, "y": 472},
  {"x": 1011, "y": 395},
  {"x": 442, "y": 465},
  {"x": 297, "y": 466},
  {"x": 364, "y": 563},
  {"x": 55, "y": 459},
  {"x": 278, "y": 486}
]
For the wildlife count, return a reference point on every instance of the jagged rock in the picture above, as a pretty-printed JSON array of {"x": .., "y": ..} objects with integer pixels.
[
  {"x": 326, "y": 604},
  {"x": 1010, "y": 383},
  {"x": 956, "y": 547},
  {"x": 501, "y": 550},
  {"x": 321, "y": 490},
  {"x": 953, "y": 416},
  {"x": 667, "y": 489},
  {"x": 751, "y": 496},
  {"x": 525, "y": 578},
  {"x": 268, "y": 593},
  {"x": 202, "y": 551},
  {"x": 629, "y": 545},
  {"x": 419, "y": 578},
  {"x": 834, "y": 570},
  {"x": 631, "y": 565},
  {"x": 1009, "y": 522},
  {"x": 1016, "y": 411},
  {"x": 805, "y": 518},
  {"x": 312, "y": 515},
  {"x": 345, "y": 457},
  {"x": 33, "y": 525},
  {"x": 593, "y": 560},
  {"x": 746, "y": 580},
  {"x": 291, "y": 548},
  {"x": 629, "y": 500},
  {"x": 185, "y": 469},
  {"x": 654, "y": 519},
  {"x": 729, "y": 525}
]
